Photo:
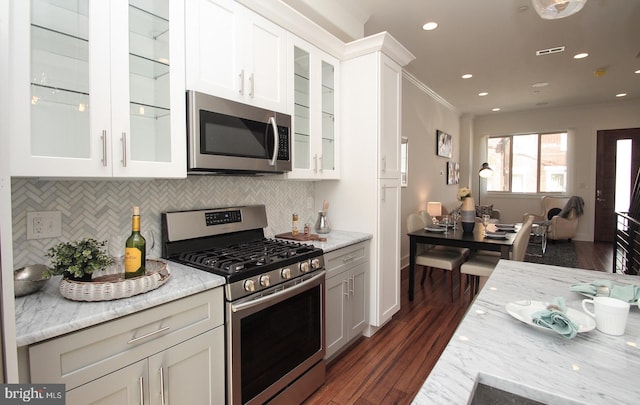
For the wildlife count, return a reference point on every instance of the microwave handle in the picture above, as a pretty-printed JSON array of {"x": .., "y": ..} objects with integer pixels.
[{"x": 276, "y": 141}]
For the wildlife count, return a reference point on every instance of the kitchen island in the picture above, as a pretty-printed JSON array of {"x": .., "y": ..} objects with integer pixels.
[{"x": 492, "y": 347}]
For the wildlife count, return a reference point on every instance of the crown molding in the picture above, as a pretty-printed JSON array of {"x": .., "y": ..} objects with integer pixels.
[
  {"x": 414, "y": 80},
  {"x": 383, "y": 42}
]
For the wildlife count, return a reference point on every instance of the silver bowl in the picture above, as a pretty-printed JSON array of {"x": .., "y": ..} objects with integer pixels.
[{"x": 28, "y": 280}]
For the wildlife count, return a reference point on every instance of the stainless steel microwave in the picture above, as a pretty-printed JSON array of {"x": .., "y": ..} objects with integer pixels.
[{"x": 224, "y": 136}]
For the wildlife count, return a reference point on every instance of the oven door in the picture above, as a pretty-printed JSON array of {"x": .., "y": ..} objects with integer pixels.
[{"x": 273, "y": 339}]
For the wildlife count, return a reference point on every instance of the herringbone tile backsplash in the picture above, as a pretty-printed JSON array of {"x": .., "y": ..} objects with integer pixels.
[{"x": 102, "y": 209}]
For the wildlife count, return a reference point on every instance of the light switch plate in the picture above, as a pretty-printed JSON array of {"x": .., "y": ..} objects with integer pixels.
[{"x": 44, "y": 224}]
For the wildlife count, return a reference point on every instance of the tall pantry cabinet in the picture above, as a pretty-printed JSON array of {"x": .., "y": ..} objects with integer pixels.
[{"x": 367, "y": 198}]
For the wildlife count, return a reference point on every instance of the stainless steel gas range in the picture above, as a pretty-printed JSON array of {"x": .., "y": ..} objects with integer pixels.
[{"x": 274, "y": 293}]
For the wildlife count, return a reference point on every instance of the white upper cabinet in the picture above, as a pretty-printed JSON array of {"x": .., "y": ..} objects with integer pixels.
[
  {"x": 236, "y": 54},
  {"x": 313, "y": 93},
  {"x": 98, "y": 88}
]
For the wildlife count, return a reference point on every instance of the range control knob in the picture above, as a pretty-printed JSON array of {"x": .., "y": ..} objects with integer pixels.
[
  {"x": 249, "y": 285},
  {"x": 304, "y": 267},
  {"x": 265, "y": 281},
  {"x": 315, "y": 264},
  {"x": 286, "y": 273}
]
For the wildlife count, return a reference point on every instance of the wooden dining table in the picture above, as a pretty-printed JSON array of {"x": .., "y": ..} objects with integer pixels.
[{"x": 456, "y": 238}]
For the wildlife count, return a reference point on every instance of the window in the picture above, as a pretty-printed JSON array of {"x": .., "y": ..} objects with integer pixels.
[
  {"x": 404, "y": 161},
  {"x": 529, "y": 163}
]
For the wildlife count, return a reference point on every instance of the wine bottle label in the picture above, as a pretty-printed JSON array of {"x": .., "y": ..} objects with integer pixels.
[{"x": 132, "y": 259}]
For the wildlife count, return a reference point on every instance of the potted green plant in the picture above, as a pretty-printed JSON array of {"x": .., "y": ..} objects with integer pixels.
[{"x": 77, "y": 260}]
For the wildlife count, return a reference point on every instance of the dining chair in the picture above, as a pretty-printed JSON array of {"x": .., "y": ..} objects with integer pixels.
[
  {"x": 482, "y": 265},
  {"x": 430, "y": 257},
  {"x": 428, "y": 221}
]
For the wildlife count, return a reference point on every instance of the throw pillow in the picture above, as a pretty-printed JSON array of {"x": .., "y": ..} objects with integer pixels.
[
  {"x": 553, "y": 212},
  {"x": 484, "y": 210}
]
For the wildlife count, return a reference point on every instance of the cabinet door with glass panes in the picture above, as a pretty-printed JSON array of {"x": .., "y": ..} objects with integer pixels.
[
  {"x": 98, "y": 87},
  {"x": 315, "y": 126}
]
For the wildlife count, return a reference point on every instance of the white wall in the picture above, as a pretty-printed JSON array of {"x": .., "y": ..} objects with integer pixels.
[
  {"x": 583, "y": 122},
  {"x": 422, "y": 115}
]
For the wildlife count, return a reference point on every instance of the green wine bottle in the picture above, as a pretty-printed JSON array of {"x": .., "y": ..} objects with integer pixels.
[{"x": 135, "y": 249}]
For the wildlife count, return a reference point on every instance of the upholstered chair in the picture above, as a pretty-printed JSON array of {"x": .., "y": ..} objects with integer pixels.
[{"x": 557, "y": 227}]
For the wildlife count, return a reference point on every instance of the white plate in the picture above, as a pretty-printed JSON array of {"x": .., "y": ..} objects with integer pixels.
[
  {"x": 506, "y": 227},
  {"x": 523, "y": 311},
  {"x": 495, "y": 236},
  {"x": 438, "y": 229}
]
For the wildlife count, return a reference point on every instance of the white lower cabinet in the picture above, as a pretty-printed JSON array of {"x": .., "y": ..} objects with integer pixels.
[
  {"x": 346, "y": 296},
  {"x": 169, "y": 354},
  {"x": 183, "y": 374}
]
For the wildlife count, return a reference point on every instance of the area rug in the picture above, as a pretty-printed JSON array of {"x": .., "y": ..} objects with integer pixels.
[{"x": 561, "y": 253}]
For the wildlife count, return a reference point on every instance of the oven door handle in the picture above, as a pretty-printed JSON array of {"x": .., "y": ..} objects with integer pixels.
[{"x": 291, "y": 291}]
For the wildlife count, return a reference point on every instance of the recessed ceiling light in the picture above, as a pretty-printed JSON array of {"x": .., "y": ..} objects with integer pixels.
[
  {"x": 495, "y": 109},
  {"x": 540, "y": 84},
  {"x": 621, "y": 94},
  {"x": 482, "y": 94},
  {"x": 467, "y": 76},
  {"x": 522, "y": 9},
  {"x": 430, "y": 26},
  {"x": 638, "y": 71},
  {"x": 580, "y": 55}
]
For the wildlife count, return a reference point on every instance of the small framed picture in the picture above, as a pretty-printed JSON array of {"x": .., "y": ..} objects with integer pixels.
[
  {"x": 453, "y": 172},
  {"x": 443, "y": 144}
]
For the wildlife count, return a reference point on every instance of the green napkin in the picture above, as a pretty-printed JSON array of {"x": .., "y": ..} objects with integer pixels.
[
  {"x": 555, "y": 318},
  {"x": 627, "y": 293}
]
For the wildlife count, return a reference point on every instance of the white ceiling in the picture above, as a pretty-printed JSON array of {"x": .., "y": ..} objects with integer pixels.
[{"x": 497, "y": 42}]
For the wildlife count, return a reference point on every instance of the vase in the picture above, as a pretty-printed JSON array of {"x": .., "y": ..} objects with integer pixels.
[{"x": 468, "y": 215}]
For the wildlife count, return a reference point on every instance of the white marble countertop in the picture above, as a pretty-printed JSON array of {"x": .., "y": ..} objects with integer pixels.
[
  {"x": 47, "y": 314},
  {"x": 337, "y": 239},
  {"x": 592, "y": 368}
]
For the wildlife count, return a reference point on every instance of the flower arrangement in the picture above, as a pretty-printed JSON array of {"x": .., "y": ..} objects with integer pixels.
[
  {"x": 463, "y": 193},
  {"x": 77, "y": 258}
]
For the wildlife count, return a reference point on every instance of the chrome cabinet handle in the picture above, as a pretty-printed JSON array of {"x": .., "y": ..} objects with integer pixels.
[
  {"x": 320, "y": 163},
  {"x": 315, "y": 163},
  {"x": 162, "y": 385},
  {"x": 384, "y": 164},
  {"x": 352, "y": 283},
  {"x": 347, "y": 258},
  {"x": 345, "y": 290},
  {"x": 251, "y": 85},
  {"x": 124, "y": 149},
  {"x": 141, "y": 384},
  {"x": 134, "y": 340},
  {"x": 104, "y": 147},
  {"x": 276, "y": 141},
  {"x": 241, "y": 76}
]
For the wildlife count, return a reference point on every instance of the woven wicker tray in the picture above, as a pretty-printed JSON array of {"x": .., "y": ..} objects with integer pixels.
[{"x": 115, "y": 286}]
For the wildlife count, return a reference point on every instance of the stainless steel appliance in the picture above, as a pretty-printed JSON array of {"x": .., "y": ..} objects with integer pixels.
[
  {"x": 275, "y": 321},
  {"x": 230, "y": 137}
]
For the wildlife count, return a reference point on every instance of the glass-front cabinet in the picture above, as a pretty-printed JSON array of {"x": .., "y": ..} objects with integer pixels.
[
  {"x": 313, "y": 89},
  {"x": 99, "y": 88}
]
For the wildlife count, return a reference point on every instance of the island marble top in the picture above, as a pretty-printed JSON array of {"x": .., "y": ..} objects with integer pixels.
[
  {"x": 592, "y": 368},
  {"x": 47, "y": 314}
]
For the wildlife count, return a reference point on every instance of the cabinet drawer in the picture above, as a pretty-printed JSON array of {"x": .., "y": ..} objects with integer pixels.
[
  {"x": 343, "y": 259},
  {"x": 85, "y": 355}
]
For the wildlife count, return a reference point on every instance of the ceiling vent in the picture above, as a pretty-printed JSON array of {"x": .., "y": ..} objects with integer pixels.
[{"x": 549, "y": 51}]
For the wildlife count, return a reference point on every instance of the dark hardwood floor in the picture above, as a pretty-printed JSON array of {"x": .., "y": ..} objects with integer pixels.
[{"x": 391, "y": 366}]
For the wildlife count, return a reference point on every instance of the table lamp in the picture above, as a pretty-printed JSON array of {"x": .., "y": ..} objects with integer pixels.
[{"x": 434, "y": 209}]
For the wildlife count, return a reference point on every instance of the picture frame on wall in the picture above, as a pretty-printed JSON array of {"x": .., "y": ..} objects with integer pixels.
[
  {"x": 453, "y": 172},
  {"x": 443, "y": 144}
]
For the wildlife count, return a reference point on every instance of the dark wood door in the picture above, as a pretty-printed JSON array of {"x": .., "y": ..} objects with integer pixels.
[{"x": 604, "y": 222}]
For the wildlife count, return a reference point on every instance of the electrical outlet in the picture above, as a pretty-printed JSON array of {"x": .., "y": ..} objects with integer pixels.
[{"x": 44, "y": 224}]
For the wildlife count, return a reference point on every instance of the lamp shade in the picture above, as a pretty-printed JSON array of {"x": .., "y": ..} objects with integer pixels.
[
  {"x": 485, "y": 171},
  {"x": 434, "y": 209},
  {"x": 554, "y": 9}
]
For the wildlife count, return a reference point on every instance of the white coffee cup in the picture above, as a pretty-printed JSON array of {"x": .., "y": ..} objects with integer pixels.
[{"x": 610, "y": 314}]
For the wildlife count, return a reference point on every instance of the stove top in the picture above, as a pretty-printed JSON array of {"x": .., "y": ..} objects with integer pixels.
[
  {"x": 230, "y": 242},
  {"x": 240, "y": 260}
]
